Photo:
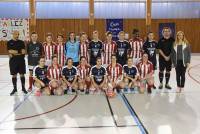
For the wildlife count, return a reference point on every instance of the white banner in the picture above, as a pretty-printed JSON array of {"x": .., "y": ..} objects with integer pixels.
[{"x": 7, "y": 26}]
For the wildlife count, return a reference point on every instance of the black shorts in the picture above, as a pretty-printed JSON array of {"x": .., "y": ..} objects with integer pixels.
[
  {"x": 165, "y": 65},
  {"x": 46, "y": 82},
  {"x": 98, "y": 82},
  {"x": 17, "y": 65}
]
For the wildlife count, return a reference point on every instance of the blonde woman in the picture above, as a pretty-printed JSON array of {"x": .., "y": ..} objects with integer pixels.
[{"x": 181, "y": 56}]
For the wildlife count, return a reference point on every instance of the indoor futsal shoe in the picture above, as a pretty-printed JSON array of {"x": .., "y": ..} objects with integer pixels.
[
  {"x": 24, "y": 91},
  {"x": 149, "y": 90},
  {"x": 168, "y": 87},
  {"x": 13, "y": 92},
  {"x": 160, "y": 86}
]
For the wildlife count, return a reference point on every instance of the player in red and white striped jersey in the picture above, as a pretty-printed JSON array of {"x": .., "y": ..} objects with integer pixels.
[
  {"x": 54, "y": 74},
  {"x": 136, "y": 46},
  {"x": 83, "y": 74},
  {"x": 49, "y": 49},
  {"x": 109, "y": 48},
  {"x": 60, "y": 50},
  {"x": 84, "y": 46},
  {"x": 146, "y": 72},
  {"x": 114, "y": 75}
]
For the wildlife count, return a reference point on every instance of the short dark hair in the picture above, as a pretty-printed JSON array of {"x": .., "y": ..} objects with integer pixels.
[
  {"x": 33, "y": 33},
  {"x": 82, "y": 57},
  {"x": 54, "y": 56},
  {"x": 68, "y": 60},
  {"x": 61, "y": 35},
  {"x": 135, "y": 31}
]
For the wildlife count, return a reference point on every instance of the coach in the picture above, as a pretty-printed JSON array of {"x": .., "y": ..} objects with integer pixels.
[{"x": 16, "y": 50}]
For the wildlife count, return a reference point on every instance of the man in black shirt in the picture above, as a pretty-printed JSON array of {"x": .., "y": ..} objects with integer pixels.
[
  {"x": 165, "y": 45},
  {"x": 16, "y": 50},
  {"x": 34, "y": 51}
]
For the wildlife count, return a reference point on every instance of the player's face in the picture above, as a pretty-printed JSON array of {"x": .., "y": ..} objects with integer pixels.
[
  {"x": 42, "y": 62},
  {"x": 70, "y": 63},
  {"x": 145, "y": 57},
  {"x": 83, "y": 38},
  {"x": 99, "y": 62},
  {"x": 136, "y": 35},
  {"x": 49, "y": 39},
  {"x": 83, "y": 61},
  {"x": 95, "y": 35},
  {"x": 55, "y": 61},
  {"x": 15, "y": 35},
  {"x": 130, "y": 62},
  {"x": 113, "y": 59},
  {"x": 72, "y": 36},
  {"x": 60, "y": 39},
  {"x": 166, "y": 33},
  {"x": 34, "y": 37},
  {"x": 121, "y": 36},
  {"x": 180, "y": 36},
  {"x": 109, "y": 37},
  {"x": 151, "y": 36}
]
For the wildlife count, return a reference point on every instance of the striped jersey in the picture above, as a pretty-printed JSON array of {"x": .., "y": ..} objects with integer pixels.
[
  {"x": 108, "y": 49},
  {"x": 60, "y": 52},
  {"x": 49, "y": 50},
  {"x": 83, "y": 72},
  {"x": 136, "y": 47},
  {"x": 114, "y": 72},
  {"x": 54, "y": 73},
  {"x": 145, "y": 68}
]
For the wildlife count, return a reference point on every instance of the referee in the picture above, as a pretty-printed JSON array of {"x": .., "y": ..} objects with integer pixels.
[
  {"x": 16, "y": 50},
  {"x": 165, "y": 46}
]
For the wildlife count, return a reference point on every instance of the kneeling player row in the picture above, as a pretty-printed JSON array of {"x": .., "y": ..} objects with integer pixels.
[{"x": 59, "y": 80}]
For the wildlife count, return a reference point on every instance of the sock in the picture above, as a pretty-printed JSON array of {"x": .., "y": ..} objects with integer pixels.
[
  {"x": 30, "y": 81},
  {"x": 14, "y": 81},
  {"x": 161, "y": 77},
  {"x": 167, "y": 76},
  {"x": 22, "y": 78}
]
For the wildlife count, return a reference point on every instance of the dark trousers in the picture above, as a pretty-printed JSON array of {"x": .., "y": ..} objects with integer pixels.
[{"x": 180, "y": 73}]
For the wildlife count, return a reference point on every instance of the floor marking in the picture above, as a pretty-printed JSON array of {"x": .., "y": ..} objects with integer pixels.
[
  {"x": 134, "y": 115},
  {"x": 23, "y": 118}
]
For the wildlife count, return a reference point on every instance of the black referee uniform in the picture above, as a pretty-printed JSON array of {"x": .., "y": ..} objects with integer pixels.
[
  {"x": 17, "y": 63},
  {"x": 166, "y": 46}
]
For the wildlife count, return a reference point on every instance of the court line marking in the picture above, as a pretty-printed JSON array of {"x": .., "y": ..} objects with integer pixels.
[
  {"x": 111, "y": 111},
  {"x": 55, "y": 109},
  {"x": 134, "y": 115},
  {"x": 190, "y": 75},
  {"x": 16, "y": 107},
  {"x": 82, "y": 127}
]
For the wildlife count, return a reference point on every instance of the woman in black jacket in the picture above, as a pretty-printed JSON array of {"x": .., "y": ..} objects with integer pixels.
[{"x": 181, "y": 56}]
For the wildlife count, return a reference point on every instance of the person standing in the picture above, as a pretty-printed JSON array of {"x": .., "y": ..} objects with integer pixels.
[
  {"x": 49, "y": 49},
  {"x": 34, "y": 51},
  {"x": 60, "y": 50},
  {"x": 181, "y": 56},
  {"x": 165, "y": 45},
  {"x": 72, "y": 49},
  {"x": 122, "y": 49},
  {"x": 16, "y": 50},
  {"x": 136, "y": 44}
]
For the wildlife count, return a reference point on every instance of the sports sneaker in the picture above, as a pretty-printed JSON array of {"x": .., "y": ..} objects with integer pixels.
[
  {"x": 154, "y": 87},
  {"x": 160, "y": 86},
  {"x": 13, "y": 92},
  {"x": 168, "y": 86},
  {"x": 24, "y": 91}
]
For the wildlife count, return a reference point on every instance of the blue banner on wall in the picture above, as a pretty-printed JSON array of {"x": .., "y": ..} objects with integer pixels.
[
  {"x": 170, "y": 25},
  {"x": 114, "y": 26}
]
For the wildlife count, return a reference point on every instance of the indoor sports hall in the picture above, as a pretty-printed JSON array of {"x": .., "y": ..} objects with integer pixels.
[{"x": 127, "y": 110}]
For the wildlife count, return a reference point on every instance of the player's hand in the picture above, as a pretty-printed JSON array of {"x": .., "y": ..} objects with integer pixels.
[{"x": 167, "y": 58}]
